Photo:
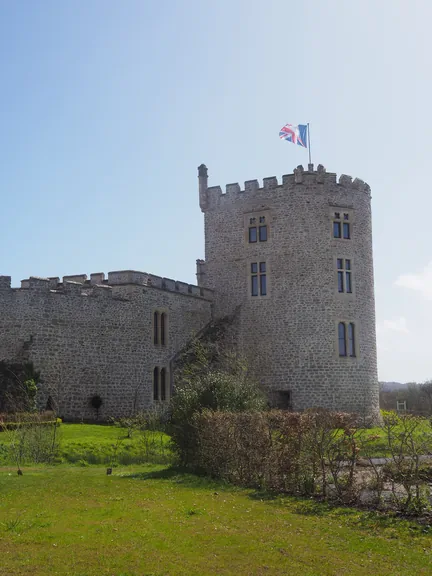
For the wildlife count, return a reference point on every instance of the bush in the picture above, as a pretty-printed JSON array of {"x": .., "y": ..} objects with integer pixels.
[
  {"x": 31, "y": 439},
  {"x": 316, "y": 453},
  {"x": 214, "y": 390},
  {"x": 305, "y": 454}
]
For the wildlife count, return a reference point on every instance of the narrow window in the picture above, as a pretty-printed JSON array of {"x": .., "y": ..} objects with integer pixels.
[
  {"x": 156, "y": 328},
  {"x": 156, "y": 384},
  {"x": 346, "y": 231},
  {"x": 163, "y": 384},
  {"x": 337, "y": 230},
  {"x": 351, "y": 340},
  {"x": 263, "y": 279},
  {"x": 162, "y": 329},
  {"x": 254, "y": 279},
  {"x": 263, "y": 233},
  {"x": 342, "y": 339},
  {"x": 253, "y": 234},
  {"x": 340, "y": 281},
  {"x": 340, "y": 274},
  {"x": 348, "y": 276}
]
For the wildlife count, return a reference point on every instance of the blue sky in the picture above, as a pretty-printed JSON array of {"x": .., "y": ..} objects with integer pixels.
[{"x": 107, "y": 108}]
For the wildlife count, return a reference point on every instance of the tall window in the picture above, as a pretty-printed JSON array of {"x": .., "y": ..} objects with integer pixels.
[
  {"x": 344, "y": 272},
  {"x": 160, "y": 328},
  {"x": 346, "y": 339},
  {"x": 258, "y": 279},
  {"x": 342, "y": 339},
  {"x": 341, "y": 225},
  {"x": 257, "y": 229},
  {"x": 163, "y": 384},
  {"x": 160, "y": 385},
  {"x": 156, "y": 384},
  {"x": 351, "y": 340},
  {"x": 156, "y": 328}
]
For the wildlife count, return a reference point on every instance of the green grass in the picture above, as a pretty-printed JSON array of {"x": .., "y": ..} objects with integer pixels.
[
  {"x": 379, "y": 447},
  {"x": 156, "y": 521},
  {"x": 99, "y": 444},
  {"x": 96, "y": 444}
]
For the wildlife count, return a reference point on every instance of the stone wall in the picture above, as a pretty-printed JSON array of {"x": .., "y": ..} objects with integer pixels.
[
  {"x": 89, "y": 338},
  {"x": 290, "y": 335}
]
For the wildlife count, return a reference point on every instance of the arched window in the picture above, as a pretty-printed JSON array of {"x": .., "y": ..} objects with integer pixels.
[
  {"x": 351, "y": 340},
  {"x": 162, "y": 328},
  {"x": 156, "y": 328},
  {"x": 342, "y": 339},
  {"x": 163, "y": 384},
  {"x": 156, "y": 384}
]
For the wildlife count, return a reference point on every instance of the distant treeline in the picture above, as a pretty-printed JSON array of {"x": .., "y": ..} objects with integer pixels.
[{"x": 417, "y": 397}]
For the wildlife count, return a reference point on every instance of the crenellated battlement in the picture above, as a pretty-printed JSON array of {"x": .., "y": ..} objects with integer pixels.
[
  {"x": 212, "y": 195},
  {"x": 98, "y": 285}
]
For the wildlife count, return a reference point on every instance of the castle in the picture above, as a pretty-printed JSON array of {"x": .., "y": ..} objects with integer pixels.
[{"x": 291, "y": 262}]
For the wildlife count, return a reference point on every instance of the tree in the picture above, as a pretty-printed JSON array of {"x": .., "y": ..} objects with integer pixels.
[{"x": 426, "y": 392}]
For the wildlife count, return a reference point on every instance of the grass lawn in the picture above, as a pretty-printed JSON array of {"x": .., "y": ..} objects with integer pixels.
[
  {"x": 151, "y": 520},
  {"x": 379, "y": 447},
  {"x": 96, "y": 444}
]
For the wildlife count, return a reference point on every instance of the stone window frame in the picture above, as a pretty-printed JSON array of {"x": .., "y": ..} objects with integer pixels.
[
  {"x": 265, "y": 213},
  {"x": 249, "y": 275},
  {"x": 344, "y": 257},
  {"x": 160, "y": 325},
  {"x": 347, "y": 322},
  {"x": 157, "y": 373},
  {"x": 342, "y": 211}
]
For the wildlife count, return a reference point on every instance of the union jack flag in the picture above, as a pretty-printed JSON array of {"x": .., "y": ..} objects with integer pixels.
[{"x": 295, "y": 134}]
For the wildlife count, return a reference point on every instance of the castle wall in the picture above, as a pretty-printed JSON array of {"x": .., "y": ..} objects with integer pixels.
[
  {"x": 97, "y": 339},
  {"x": 290, "y": 335}
]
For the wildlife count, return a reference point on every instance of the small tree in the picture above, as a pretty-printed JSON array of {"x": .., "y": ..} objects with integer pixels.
[{"x": 96, "y": 403}]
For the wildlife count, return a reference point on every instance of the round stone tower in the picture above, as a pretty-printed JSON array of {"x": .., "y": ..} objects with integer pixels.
[{"x": 293, "y": 263}]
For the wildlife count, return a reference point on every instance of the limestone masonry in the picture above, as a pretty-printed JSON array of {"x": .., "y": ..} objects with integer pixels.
[{"x": 290, "y": 262}]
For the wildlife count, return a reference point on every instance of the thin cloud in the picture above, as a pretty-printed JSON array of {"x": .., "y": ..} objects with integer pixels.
[{"x": 421, "y": 282}]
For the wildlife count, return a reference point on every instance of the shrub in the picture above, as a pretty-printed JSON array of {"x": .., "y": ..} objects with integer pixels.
[
  {"x": 31, "y": 439},
  {"x": 214, "y": 390},
  {"x": 308, "y": 453}
]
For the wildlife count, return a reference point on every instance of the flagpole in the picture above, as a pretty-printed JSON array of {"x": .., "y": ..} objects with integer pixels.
[{"x": 309, "y": 143}]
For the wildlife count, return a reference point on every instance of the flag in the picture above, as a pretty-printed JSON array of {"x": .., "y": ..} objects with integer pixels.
[{"x": 295, "y": 134}]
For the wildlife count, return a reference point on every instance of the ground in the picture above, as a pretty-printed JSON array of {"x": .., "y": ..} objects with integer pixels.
[{"x": 153, "y": 520}]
